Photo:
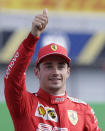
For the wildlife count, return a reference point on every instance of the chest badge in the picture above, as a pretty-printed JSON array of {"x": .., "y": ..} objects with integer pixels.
[
  {"x": 42, "y": 111},
  {"x": 52, "y": 113},
  {"x": 47, "y": 113},
  {"x": 73, "y": 117}
]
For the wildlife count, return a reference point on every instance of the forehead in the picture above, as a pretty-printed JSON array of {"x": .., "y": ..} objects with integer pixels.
[{"x": 53, "y": 58}]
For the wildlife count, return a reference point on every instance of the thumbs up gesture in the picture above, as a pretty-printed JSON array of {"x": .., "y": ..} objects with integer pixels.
[{"x": 39, "y": 23}]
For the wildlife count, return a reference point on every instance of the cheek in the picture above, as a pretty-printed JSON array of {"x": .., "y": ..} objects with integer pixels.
[
  {"x": 43, "y": 75},
  {"x": 65, "y": 75}
]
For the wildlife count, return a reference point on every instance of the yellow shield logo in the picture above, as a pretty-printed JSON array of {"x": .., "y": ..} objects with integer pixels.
[
  {"x": 54, "y": 47},
  {"x": 42, "y": 111},
  {"x": 73, "y": 117},
  {"x": 52, "y": 113}
]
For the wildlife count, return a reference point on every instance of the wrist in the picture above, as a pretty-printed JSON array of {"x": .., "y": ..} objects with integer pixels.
[
  {"x": 35, "y": 34},
  {"x": 34, "y": 37}
]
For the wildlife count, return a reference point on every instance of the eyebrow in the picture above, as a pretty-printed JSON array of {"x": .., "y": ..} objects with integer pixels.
[
  {"x": 62, "y": 63},
  {"x": 49, "y": 63}
]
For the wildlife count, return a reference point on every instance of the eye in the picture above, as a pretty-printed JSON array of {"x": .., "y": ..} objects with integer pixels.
[
  {"x": 48, "y": 66},
  {"x": 61, "y": 66}
]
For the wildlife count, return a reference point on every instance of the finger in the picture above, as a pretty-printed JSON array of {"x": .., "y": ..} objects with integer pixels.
[
  {"x": 41, "y": 18},
  {"x": 40, "y": 15},
  {"x": 39, "y": 25},
  {"x": 45, "y": 12}
]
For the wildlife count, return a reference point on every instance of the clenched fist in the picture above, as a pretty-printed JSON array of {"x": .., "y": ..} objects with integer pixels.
[{"x": 39, "y": 23}]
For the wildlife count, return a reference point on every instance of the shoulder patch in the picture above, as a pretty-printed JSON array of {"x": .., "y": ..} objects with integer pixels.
[{"x": 77, "y": 100}]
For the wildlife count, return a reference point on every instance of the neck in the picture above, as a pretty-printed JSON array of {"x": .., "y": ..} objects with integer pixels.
[{"x": 55, "y": 91}]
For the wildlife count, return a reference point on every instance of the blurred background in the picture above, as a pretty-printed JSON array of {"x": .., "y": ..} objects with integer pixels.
[{"x": 78, "y": 25}]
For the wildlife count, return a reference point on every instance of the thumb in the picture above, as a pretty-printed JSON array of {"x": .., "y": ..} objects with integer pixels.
[{"x": 45, "y": 12}]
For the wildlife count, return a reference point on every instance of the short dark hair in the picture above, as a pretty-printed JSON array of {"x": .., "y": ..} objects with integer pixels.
[{"x": 38, "y": 66}]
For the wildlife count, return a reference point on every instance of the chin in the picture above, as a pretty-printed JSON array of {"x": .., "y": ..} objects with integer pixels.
[{"x": 55, "y": 86}]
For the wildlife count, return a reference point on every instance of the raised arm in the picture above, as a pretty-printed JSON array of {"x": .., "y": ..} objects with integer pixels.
[
  {"x": 15, "y": 91},
  {"x": 22, "y": 57}
]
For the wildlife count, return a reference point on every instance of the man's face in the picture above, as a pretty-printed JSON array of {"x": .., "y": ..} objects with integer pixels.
[{"x": 52, "y": 73}]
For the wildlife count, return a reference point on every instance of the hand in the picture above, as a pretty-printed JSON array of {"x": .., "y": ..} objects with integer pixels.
[{"x": 39, "y": 23}]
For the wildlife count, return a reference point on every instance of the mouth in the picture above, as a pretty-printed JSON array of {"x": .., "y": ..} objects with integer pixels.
[{"x": 54, "y": 79}]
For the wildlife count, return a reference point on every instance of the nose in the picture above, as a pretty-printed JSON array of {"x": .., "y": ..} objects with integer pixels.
[{"x": 55, "y": 70}]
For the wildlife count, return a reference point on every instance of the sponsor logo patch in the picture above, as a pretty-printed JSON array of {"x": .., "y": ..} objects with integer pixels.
[
  {"x": 42, "y": 111},
  {"x": 11, "y": 64},
  {"x": 51, "y": 113},
  {"x": 73, "y": 117},
  {"x": 46, "y": 113},
  {"x": 46, "y": 127}
]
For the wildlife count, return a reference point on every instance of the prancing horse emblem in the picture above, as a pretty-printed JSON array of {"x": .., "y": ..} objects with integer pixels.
[
  {"x": 54, "y": 47},
  {"x": 73, "y": 117}
]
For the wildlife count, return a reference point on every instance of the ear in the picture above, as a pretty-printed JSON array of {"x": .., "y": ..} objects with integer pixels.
[
  {"x": 36, "y": 72},
  {"x": 68, "y": 72}
]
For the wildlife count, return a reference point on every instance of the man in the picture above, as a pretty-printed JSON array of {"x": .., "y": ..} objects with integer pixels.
[{"x": 50, "y": 109}]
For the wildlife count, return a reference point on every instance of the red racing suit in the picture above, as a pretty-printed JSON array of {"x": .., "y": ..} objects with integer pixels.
[{"x": 41, "y": 111}]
